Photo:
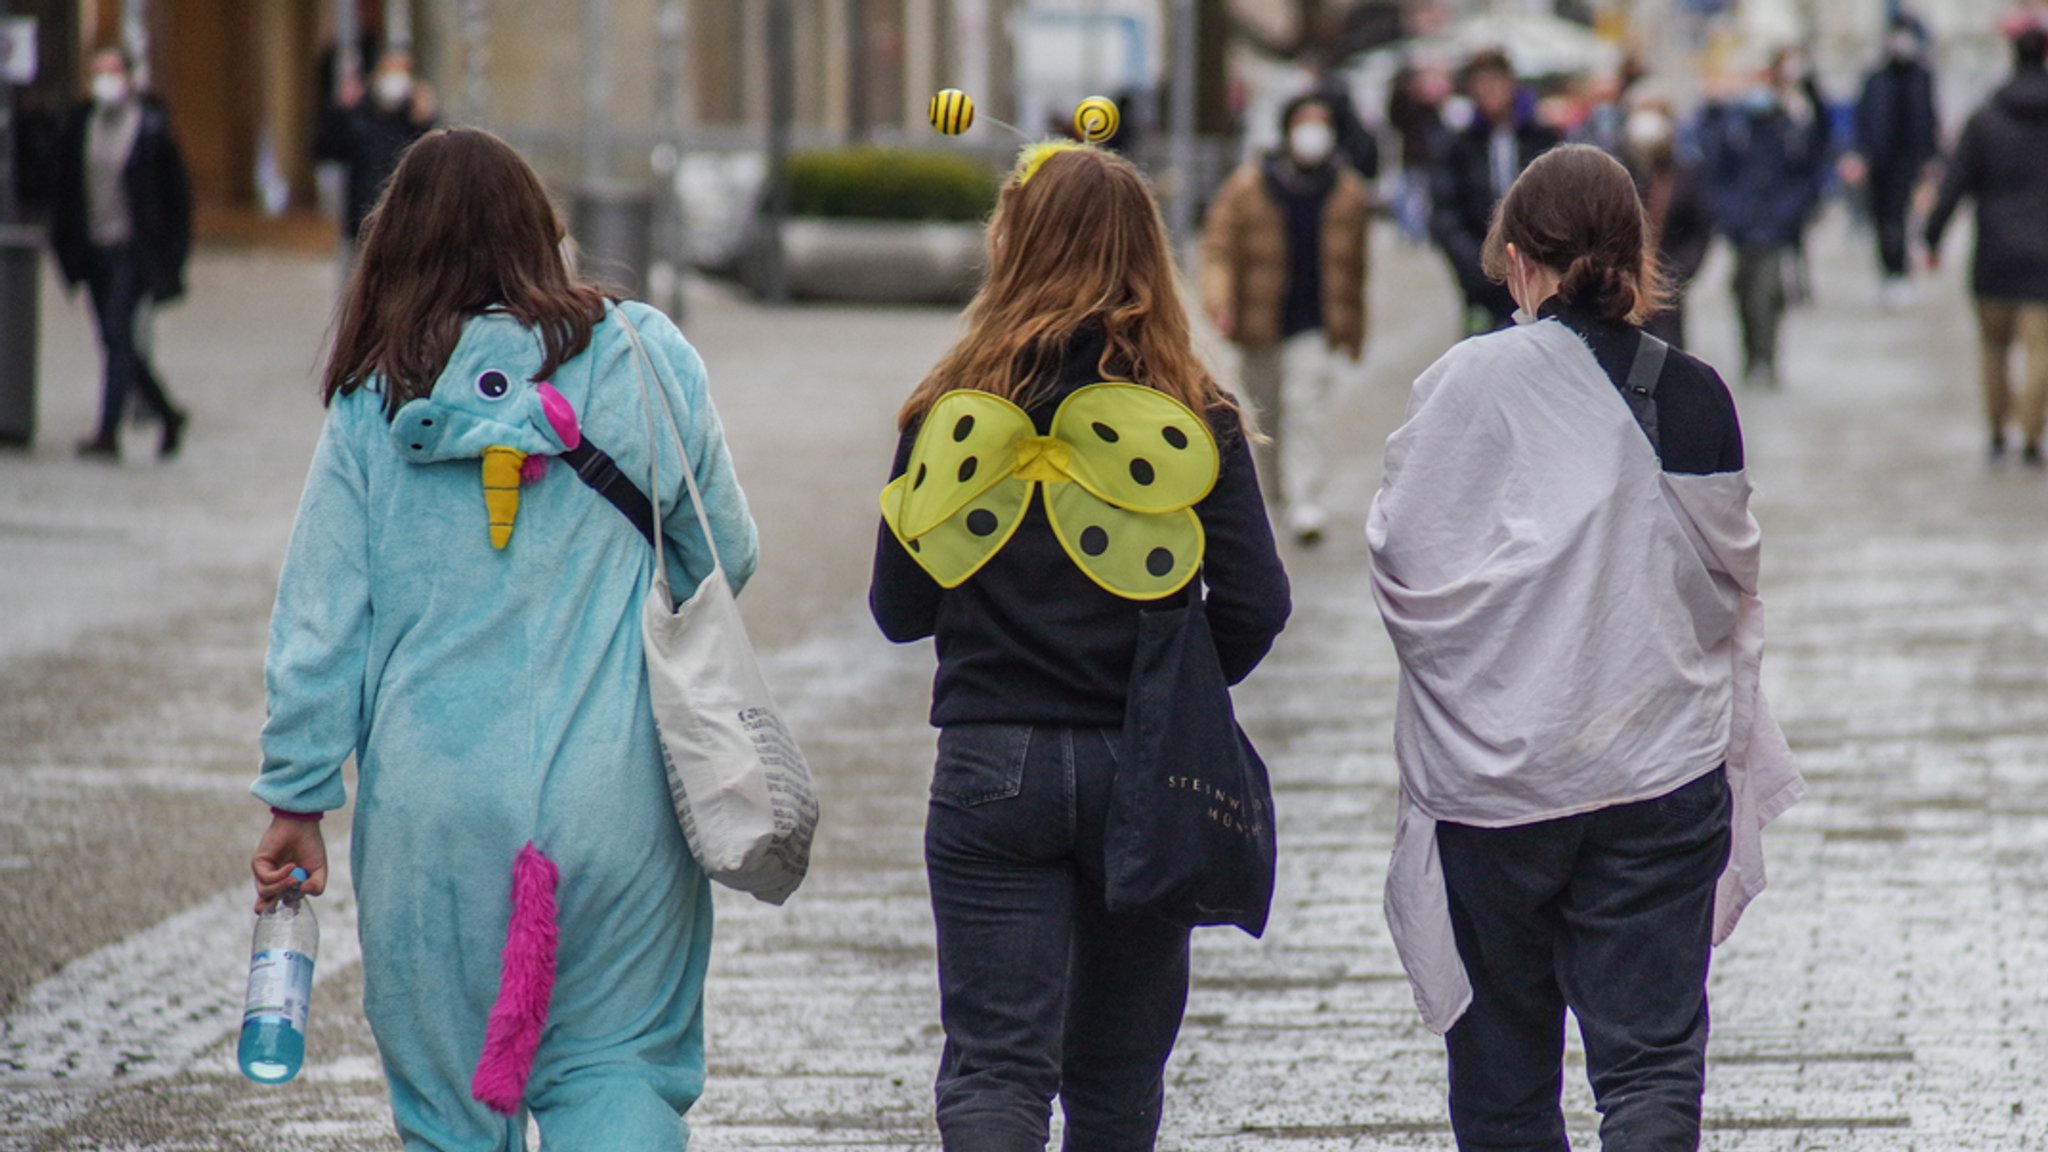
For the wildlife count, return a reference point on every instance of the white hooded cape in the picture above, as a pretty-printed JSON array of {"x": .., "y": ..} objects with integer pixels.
[{"x": 1576, "y": 627}]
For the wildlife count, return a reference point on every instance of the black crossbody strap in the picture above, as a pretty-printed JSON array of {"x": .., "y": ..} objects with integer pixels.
[
  {"x": 1640, "y": 390},
  {"x": 597, "y": 469}
]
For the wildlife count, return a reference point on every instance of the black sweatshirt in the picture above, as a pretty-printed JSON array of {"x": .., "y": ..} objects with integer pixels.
[
  {"x": 1697, "y": 432},
  {"x": 1030, "y": 639}
]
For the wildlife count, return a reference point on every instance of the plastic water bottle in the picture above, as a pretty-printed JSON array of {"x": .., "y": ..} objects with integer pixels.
[{"x": 280, "y": 988}]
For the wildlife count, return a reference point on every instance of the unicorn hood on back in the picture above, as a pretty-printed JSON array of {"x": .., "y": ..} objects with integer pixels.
[{"x": 485, "y": 405}]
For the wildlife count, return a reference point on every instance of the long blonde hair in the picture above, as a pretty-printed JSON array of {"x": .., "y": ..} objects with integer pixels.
[{"x": 1075, "y": 238}]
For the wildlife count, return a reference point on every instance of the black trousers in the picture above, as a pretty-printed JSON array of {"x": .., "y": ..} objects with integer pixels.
[
  {"x": 114, "y": 278},
  {"x": 1891, "y": 198},
  {"x": 1042, "y": 990},
  {"x": 1609, "y": 914}
]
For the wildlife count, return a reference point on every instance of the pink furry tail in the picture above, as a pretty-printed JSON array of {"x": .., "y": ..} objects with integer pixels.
[{"x": 524, "y": 986}]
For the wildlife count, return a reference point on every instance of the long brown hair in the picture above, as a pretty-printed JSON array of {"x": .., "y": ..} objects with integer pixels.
[
  {"x": 1575, "y": 211},
  {"x": 465, "y": 225},
  {"x": 1075, "y": 240}
]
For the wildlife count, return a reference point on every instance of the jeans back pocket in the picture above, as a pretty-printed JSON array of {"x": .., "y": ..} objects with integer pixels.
[{"x": 980, "y": 763}]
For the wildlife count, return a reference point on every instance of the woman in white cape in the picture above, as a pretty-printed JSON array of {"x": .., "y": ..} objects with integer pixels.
[{"x": 1563, "y": 553}]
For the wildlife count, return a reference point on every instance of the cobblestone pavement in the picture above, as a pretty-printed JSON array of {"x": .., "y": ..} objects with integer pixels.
[{"x": 1886, "y": 994}]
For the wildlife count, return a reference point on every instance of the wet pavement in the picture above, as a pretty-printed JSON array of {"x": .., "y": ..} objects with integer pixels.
[{"x": 1885, "y": 994}]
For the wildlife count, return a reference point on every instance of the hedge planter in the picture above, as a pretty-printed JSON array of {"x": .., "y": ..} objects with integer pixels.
[{"x": 881, "y": 261}]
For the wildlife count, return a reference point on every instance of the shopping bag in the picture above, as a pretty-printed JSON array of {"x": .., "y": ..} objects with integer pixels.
[
  {"x": 742, "y": 790},
  {"x": 1190, "y": 833}
]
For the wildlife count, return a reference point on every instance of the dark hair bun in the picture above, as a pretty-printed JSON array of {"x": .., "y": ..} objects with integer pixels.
[{"x": 1604, "y": 287}]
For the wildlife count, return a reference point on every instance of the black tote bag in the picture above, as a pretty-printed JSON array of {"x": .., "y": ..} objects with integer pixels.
[{"x": 1190, "y": 829}]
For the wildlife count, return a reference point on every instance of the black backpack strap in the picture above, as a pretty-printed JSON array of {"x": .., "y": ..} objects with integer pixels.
[
  {"x": 601, "y": 472},
  {"x": 1640, "y": 389}
]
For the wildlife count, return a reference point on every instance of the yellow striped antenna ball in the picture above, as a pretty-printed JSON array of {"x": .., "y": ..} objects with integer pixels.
[
  {"x": 952, "y": 111},
  {"x": 1096, "y": 119}
]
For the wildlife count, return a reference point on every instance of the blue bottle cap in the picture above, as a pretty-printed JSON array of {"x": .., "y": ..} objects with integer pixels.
[{"x": 298, "y": 875}]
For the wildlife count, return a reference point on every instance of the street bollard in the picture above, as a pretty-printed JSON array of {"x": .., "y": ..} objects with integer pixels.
[
  {"x": 614, "y": 227},
  {"x": 20, "y": 281}
]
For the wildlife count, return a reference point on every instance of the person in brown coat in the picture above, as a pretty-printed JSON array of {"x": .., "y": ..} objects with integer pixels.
[{"x": 1283, "y": 277}]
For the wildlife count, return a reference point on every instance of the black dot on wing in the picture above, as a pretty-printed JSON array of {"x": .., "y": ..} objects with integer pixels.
[
  {"x": 963, "y": 429},
  {"x": 1141, "y": 470},
  {"x": 981, "y": 522},
  {"x": 967, "y": 468},
  {"x": 919, "y": 482},
  {"x": 1107, "y": 433},
  {"x": 913, "y": 545},
  {"x": 419, "y": 448},
  {"x": 1174, "y": 436},
  {"x": 1159, "y": 562},
  {"x": 1094, "y": 541}
]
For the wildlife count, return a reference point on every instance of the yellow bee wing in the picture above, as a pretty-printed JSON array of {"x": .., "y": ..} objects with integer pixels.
[
  {"x": 1137, "y": 447},
  {"x": 957, "y": 547},
  {"x": 968, "y": 445},
  {"x": 1135, "y": 555}
]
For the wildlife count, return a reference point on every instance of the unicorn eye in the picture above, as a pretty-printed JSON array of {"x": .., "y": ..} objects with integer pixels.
[{"x": 493, "y": 385}]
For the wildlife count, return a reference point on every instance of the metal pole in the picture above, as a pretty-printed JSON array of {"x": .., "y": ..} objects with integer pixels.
[
  {"x": 858, "y": 117},
  {"x": 9, "y": 209},
  {"x": 135, "y": 36},
  {"x": 476, "y": 58},
  {"x": 597, "y": 97},
  {"x": 1182, "y": 217},
  {"x": 348, "y": 45},
  {"x": 670, "y": 256},
  {"x": 781, "y": 101},
  {"x": 398, "y": 26}
]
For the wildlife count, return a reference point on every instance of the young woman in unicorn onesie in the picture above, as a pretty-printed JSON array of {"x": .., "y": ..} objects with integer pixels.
[{"x": 465, "y": 622}]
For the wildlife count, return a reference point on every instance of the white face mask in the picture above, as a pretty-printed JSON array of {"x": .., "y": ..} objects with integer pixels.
[
  {"x": 392, "y": 88},
  {"x": 1517, "y": 271},
  {"x": 109, "y": 89},
  {"x": 1311, "y": 143},
  {"x": 1646, "y": 129}
]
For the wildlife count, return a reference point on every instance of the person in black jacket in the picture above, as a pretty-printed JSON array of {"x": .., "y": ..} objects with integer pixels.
[
  {"x": 1478, "y": 165},
  {"x": 1043, "y": 991},
  {"x": 1897, "y": 134},
  {"x": 366, "y": 132},
  {"x": 2002, "y": 162},
  {"x": 1674, "y": 203},
  {"x": 121, "y": 224}
]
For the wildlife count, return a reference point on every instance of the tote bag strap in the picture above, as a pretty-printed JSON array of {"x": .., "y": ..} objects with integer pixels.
[{"x": 644, "y": 366}]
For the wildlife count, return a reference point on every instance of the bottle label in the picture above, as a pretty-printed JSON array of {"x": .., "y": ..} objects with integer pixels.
[{"x": 280, "y": 987}]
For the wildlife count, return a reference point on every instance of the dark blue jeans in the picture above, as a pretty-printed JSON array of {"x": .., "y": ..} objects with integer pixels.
[
  {"x": 1042, "y": 990},
  {"x": 114, "y": 277},
  {"x": 1609, "y": 914}
]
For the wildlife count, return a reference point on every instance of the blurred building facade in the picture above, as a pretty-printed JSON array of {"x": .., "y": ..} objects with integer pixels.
[{"x": 245, "y": 80}]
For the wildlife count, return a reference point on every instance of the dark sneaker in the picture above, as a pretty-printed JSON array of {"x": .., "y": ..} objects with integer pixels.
[
  {"x": 2030, "y": 455},
  {"x": 1998, "y": 445},
  {"x": 173, "y": 434},
  {"x": 99, "y": 448}
]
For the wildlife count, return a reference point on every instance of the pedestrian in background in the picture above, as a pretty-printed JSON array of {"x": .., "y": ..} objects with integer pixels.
[
  {"x": 495, "y": 693},
  {"x": 121, "y": 224},
  {"x": 1578, "y": 662},
  {"x": 1897, "y": 136},
  {"x": 1043, "y": 991},
  {"x": 1674, "y": 202},
  {"x": 1765, "y": 157},
  {"x": 1284, "y": 254},
  {"x": 2001, "y": 162},
  {"x": 1480, "y": 161},
  {"x": 367, "y": 131},
  {"x": 1415, "y": 112}
]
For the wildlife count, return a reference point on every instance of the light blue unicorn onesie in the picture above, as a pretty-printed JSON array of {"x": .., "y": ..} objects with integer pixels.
[{"x": 495, "y": 695}]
